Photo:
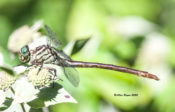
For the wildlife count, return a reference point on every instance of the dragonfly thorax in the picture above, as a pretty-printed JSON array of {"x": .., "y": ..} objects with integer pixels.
[{"x": 44, "y": 54}]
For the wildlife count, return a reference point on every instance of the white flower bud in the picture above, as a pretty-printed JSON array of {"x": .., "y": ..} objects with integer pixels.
[
  {"x": 23, "y": 36},
  {"x": 6, "y": 80},
  {"x": 41, "y": 78}
]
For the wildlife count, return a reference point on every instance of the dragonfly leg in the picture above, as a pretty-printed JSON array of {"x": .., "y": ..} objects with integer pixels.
[
  {"x": 52, "y": 79},
  {"x": 54, "y": 75},
  {"x": 39, "y": 68},
  {"x": 53, "y": 72}
]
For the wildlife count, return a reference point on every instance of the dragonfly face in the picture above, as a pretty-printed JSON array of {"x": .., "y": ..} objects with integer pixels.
[{"x": 25, "y": 54}]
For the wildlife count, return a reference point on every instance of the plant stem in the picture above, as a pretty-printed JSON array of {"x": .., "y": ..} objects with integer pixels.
[
  {"x": 22, "y": 105},
  {"x": 12, "y": 90}
]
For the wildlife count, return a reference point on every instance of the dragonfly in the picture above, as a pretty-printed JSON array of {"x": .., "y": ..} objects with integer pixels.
[{"x": 52, "y": 54}]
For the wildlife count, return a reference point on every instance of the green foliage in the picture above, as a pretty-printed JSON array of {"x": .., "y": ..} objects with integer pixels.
[
  {"x": 6, "y": 104},
  {"x": 7, "y": 69},
  {"x": 46, "y": 94},
  {"x": 79, "y": 44}
]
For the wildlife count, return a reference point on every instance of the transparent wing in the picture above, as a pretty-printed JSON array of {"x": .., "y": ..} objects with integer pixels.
[
  {"x": 53, "y": 39},
  {"x": 63, "y": 55},
  {"x": 70, "y": 72},
  {"x": 72, "y": 75}
]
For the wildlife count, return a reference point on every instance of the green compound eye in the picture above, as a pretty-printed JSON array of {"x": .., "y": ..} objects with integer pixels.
[
  {"x": 24, "y": 50},
  {"x": 25, "y": 54}
]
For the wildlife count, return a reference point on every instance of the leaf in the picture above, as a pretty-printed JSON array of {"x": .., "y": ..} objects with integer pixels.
[
  {"x": 18, "y": 108},
  {"x": 79, "y": 44},
  {"x": 51, "y": 96},
  {"x": 7, "y": 69},
  {"x": 35, "y": 110},
  {"x": 37, "y": 98},
  {"x": 36, "y": 103},
  {"x": 24, "y": 91},
  {"x": 6, "y": 104},
  {"x": 2, "y": 97},
  {"x": 7, "y": 57}
]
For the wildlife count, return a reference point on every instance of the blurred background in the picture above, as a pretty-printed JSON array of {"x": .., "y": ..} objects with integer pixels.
[{"x": 132, "y": 33}]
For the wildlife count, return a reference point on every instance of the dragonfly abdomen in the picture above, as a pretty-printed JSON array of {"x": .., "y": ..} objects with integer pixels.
[{"x": 112, "y": 67}]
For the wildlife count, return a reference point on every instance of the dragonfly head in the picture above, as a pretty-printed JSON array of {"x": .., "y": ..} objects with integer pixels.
[{"x": 25, "y": 54}]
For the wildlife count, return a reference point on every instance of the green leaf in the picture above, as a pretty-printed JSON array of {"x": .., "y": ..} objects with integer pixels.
[
  {"x": 6, "y": 104},
  {"x": 35, "y": 110},
  {"x": 79, "y": 44},
  {"x": 8, "y": 59},
  {"x": 50, "y": 96},
  {"x": 49, "y": 93},
  {"x": 45, "y": 94},
  {"x": 7, "y": 69},
  {"x": 36, "y": 103}
]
